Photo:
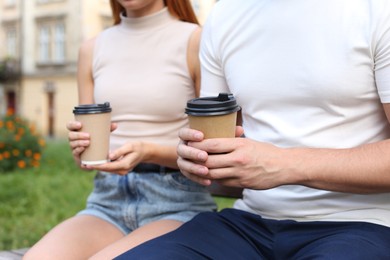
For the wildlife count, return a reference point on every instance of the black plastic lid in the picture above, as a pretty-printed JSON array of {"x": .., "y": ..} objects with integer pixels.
[
  {"x": 92, "y": 109},
  {"x": 223, "y": 104}
]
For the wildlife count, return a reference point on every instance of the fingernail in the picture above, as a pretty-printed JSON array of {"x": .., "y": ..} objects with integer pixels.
[
  {"x": 198, "y": 136},
  {"x": 203, "y": 170},
  {"x": 202, "y": 156}
]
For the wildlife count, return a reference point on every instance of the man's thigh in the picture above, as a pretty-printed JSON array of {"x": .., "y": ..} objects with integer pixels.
[
  {"x": 230, "y": 234},
  {"x": 337, "y": 240},
  {"x": 235, "y": 234}
]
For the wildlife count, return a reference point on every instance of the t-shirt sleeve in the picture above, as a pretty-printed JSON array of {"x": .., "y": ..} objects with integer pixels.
[
  {"x": 382, "y": 54},
  {"x": 212, "y": 75}
]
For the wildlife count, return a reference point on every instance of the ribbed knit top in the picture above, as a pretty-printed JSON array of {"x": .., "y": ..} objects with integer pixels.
[{"x": 140, "y": 67}]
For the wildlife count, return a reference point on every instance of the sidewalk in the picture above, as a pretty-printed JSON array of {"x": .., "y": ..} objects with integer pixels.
[{"x": 16, "y": 254}]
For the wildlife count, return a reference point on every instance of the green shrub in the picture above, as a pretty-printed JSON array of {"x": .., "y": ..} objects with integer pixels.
[{"x": 20, "y": 144}]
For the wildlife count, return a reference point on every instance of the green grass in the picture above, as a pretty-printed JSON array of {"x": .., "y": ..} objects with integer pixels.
[
  {"x": 32, "y": 201},
  {"x": 223, "y": 202}
]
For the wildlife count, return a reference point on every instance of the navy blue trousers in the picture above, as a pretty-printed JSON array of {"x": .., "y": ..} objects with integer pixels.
[{"x": 235, "y": 234}]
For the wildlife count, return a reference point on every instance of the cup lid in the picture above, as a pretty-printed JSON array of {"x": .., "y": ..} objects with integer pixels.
[
  {"x": 92, "y": 109},
  {"x": 223, "y": 104}
]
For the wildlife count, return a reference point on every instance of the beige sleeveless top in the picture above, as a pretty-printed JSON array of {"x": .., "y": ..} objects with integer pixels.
[{"x": 140, "y": 67}]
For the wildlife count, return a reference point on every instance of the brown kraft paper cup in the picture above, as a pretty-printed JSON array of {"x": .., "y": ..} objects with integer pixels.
[
  {"x": 95, "y": 120},
  {"x": 214, "y": 116}
]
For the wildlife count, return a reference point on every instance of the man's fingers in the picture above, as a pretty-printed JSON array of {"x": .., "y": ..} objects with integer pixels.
[
  {"x": 190, "y": 167},
  {"x": 187, "y": 134},
  {"x": 113, "y": 127},
  {"x": 216, "y": 145},
  {"x": 191, "y": 153},
  {"x": 197, "y": 178},
  {"x": 239, "y": 131}
]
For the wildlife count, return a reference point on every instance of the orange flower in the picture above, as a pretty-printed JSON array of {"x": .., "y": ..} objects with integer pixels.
[
  {"x": 28, "y": 153},
  {"x": 1, "y": 124},
  {"x": 21, "y": 164},
  {"x": 17, "y": 138},
  {"x": 1, "y": 157},
  {"x": 37, "y": 156},
  {"x": 32, "y": 129},
  {"x": 10, "y": 111},
  {"x": 15, "y": 152},
  {"x": 6, "y": 154},
  {"x": 20, "y": 131},
  {"x": 42, "y": 142},
  {"x": 2, "y": 145},
  {"x": 10, "y": 125},
  {"x": 35, "y": 163}
]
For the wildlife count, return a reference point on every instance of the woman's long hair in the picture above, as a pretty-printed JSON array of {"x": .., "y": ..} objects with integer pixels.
[{"x": 182, "y": 9}]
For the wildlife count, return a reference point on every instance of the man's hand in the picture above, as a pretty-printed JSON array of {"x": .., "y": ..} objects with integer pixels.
[{"x": 237, "y": 162}]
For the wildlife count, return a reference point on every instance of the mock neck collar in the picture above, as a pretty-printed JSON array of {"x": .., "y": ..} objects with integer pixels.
[{"x": 148, "y": 22}]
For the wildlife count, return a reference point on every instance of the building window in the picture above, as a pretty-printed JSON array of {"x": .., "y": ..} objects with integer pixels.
[
  {"x": 59, "y": 42},
  {"x": 44, "y": 44},
  {"x": 11, "y": 42},
  {"x": 51, "y": 43}
]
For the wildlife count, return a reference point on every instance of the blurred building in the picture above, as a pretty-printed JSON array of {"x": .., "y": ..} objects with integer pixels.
[
  {"x": 202, "y": 8},
  {"x": 39, "y": 42}
]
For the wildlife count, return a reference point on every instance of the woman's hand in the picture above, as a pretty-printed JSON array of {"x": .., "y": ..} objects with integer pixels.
[
  {"x": 79, "y": 141},
  {"x": 124, "y": 159}
]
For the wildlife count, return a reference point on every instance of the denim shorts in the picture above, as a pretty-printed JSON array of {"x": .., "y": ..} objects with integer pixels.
[{"x": 135, "y": 199}]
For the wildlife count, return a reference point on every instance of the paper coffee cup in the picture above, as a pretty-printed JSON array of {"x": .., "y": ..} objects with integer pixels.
[
  {"x": 214, "y": 116},
  {"x": 96, "y": 120}
]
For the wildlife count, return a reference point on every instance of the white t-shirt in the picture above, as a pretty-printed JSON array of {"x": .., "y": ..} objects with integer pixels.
[{"x": 307, "y": 74}]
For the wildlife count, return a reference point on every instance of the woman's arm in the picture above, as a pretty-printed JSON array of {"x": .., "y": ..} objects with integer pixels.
[
  {"x": 193, "y": 59},
  {"x": 78, "y": 141},
  {"x": 84, "y": 73}
]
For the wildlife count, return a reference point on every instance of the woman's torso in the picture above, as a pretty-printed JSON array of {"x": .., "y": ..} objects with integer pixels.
[{"x": 140, "y": 67}]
